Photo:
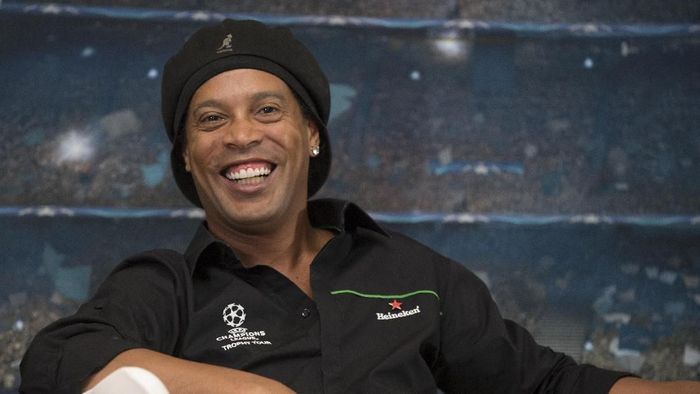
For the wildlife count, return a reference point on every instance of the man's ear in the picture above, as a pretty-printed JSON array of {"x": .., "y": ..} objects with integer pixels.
[
  {"x": 314, "y": 135},
  {"x": 186, "y": 159}
]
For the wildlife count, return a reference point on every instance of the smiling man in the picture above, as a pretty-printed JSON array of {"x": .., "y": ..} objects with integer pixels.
[{"x": 277, "y": 293}]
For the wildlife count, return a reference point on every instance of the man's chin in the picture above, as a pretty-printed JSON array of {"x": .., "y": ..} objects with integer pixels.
[{"x": 248, "y": 218}]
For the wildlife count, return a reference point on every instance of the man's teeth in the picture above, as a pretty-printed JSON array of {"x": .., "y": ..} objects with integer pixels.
[{"x": 247, "y": 173}]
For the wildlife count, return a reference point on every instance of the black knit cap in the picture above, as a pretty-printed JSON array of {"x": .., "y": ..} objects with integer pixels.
[{"x": 243, "y": 44}]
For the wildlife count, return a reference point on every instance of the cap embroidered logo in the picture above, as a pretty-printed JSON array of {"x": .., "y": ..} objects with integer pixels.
[{"x": 225, "y": 44}]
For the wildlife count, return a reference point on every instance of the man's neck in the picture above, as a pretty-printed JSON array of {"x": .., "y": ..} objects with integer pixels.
[{"x": 289, "y": 248}]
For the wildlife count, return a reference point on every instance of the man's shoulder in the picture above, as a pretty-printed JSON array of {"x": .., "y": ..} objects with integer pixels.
[
  {"x": 398, "y": 246},
  {"x": 403, "y": 250},
  {"x": 397, "y": 240}
]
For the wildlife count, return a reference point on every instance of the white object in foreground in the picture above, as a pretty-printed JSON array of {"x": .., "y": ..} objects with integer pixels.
[{"x": 133, "y": 380}]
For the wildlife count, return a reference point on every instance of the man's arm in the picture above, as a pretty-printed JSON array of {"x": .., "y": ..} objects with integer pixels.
[
  {"x": 141, "y": 305},
  {"x": 183, "y": 376},
  {"x": 481, "y": 351},
  {"x": 641, "y": 386}
]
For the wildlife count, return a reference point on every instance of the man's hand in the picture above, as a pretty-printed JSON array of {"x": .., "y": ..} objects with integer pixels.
[
  {"x": 641, "y": 386},
  {"x": 183, "y": 376}
]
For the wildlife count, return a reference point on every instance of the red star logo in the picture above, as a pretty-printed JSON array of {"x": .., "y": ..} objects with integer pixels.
[{"x": 395, "y": 305}]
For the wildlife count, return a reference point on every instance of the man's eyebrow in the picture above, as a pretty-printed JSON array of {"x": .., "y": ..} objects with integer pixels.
[
  {"x": 207, "y": 103},
  {"x": 255, "y": 97},
  {"x": 268, "y": 94}
]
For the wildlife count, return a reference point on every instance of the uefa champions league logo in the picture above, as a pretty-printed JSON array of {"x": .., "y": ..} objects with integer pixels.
[{"x": 234, "y": 316}]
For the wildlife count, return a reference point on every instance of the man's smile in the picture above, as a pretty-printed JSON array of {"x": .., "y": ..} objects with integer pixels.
[{"x": 248, "y": 173}]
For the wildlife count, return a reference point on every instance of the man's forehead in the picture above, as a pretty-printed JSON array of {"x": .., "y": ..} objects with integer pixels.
[
  {"x": 247, "y": 83},
  {"x": 246, "y": 76}
]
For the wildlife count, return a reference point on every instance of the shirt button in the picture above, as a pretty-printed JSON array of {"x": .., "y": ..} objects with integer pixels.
[{"x": 306, "y": 312}]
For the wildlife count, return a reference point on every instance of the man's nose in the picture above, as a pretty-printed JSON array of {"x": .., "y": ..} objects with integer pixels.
[{"x": 243, "y": 133}]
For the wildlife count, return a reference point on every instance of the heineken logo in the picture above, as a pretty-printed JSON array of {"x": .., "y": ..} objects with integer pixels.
[
  {"x": 397, "y": 309},
  {"x": 398, "y": 315}
]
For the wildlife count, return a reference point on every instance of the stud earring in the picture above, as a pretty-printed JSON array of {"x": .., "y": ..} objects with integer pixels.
[{"x": 315, "y": 150}]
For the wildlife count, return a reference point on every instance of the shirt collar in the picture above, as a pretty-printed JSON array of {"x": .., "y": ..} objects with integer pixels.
[{"x": 338, "y": 215}]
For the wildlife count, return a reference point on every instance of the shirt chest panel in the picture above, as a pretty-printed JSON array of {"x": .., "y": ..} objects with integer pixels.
[
  {"x": 378, "y": 321},
  {"x": 251, "y": 321}
]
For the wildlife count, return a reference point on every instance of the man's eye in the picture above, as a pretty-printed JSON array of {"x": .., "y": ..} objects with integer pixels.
[
  {"x": 210, "y": 121},
  {"x": 211, "y": 118},
  {"x": 268, "y": 110}
]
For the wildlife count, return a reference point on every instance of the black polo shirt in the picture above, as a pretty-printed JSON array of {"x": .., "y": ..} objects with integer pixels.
[{"x": 388, "y": 315}]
